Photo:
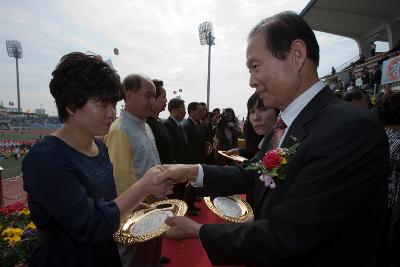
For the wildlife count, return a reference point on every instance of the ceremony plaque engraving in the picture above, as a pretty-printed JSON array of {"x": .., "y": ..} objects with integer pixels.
[
  {"x": 230, "y": 208},
  {"x": 146, "y": 224}
]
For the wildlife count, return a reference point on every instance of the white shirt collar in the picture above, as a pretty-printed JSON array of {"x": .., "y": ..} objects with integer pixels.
[
  {"x": 293, "y": 110},
  {"x": 290, "y": 113},
  {"x": 195, "y": 122},
  {"x": 175, "y": 120}
]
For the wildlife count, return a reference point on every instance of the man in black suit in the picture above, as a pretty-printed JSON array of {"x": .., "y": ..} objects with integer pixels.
[
  {"x": 329, "y": 209},
  {"x": 196, "y": 139},
  {"x": 195, "y": 134},
  {"x": 176, "y": 108}
]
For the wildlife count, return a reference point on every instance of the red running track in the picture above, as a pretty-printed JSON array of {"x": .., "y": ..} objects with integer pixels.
[{"x": 190, "y": 253}]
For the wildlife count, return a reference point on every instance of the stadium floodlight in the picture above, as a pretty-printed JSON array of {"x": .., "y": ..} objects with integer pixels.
[
  {"x": 206, "y": 35},
  {"x": 14, "y": 49}
]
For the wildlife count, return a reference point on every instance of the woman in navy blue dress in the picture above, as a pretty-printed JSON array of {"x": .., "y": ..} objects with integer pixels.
[{"x": 68, "y": 175}]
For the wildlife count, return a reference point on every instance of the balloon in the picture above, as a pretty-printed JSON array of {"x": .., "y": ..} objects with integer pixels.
[
  {"x": 180, "y": 90},
  {"x": 11, "y": 103},
  {"x": 174, "y": 92},
  {"x": 116, "y": 52}
]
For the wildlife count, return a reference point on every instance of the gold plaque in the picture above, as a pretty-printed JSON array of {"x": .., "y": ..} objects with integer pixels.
[
  {"x": 230, "y": 208},
  {"x": 146, "y": 224},
  {"x": 236, "y": 158}
]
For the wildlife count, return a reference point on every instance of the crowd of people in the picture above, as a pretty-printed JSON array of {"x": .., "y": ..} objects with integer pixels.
[
  {"x": 15, "y": 149},
  {"x": 10, "y": 121},
  {"x": 329, "y": 209},
  {"x": 368, "y": 72}
]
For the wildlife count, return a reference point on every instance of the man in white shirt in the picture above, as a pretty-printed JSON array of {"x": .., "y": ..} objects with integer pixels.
[{"x": 132, "y": 149}]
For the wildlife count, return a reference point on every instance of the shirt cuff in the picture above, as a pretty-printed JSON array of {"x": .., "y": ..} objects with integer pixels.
[{"x": 200, "y": 176}]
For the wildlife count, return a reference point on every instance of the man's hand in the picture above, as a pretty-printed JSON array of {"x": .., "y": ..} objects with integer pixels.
[
  {"x": 182, "y": 228},
  {"x": 249, "y": 219},
  {"x": 154, "y": 185}
]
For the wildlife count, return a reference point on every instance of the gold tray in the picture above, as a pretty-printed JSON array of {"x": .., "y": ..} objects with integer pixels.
[
  {"x": 236, "y": 158},
  {"x": 238, "y": 210},
  {"x": 136, "y": 227}
]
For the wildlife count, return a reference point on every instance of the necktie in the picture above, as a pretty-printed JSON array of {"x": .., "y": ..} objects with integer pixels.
[{"x": 279, "y": 130}]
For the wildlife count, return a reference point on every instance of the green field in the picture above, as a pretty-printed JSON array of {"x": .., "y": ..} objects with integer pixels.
[
  {"x": 12, "y": 167},
  {"x": 18, "y": 136}
]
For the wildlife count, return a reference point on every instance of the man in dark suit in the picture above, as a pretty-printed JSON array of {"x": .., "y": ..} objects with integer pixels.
[
  {"x": 195, "y": 134},
  {"x": 329, "y": 209},
  {"x": 197, "y": 146},
  {"x": 176, "y": 108}
]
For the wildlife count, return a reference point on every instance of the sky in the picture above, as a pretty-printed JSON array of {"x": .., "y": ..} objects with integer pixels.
[{"x": 158, "y": 38}]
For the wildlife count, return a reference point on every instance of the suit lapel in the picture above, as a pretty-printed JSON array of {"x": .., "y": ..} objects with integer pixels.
[{"x": 297, "y": 132}]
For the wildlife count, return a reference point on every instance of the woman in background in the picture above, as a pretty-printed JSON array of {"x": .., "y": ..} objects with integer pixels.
[
  {"x": 227, "y": 133},
  {"x": 259, "y": 121},
  {"x": 68, "y": 174},
  {"x": 161, "y": 134}
]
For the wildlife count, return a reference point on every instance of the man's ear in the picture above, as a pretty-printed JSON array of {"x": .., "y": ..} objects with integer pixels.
[
  {"x": 128, "y": 94},
  {"x": 298, "y": 52}
]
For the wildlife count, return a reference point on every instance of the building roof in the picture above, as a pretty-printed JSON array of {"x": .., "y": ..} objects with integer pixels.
[{"x": 362, "y": 20}]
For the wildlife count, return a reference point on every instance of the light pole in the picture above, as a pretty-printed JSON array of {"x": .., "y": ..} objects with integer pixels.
[
  {"x": 14, "y": 49},
  {"x": 206, "y": 35}
]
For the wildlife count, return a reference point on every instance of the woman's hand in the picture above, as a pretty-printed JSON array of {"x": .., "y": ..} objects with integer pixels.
[
  {"x": 149, "y": 184},
  {"x": 154, "y": 185},
  {"x": 141, "y": 206},
  {"x": 178, "y": 173}
]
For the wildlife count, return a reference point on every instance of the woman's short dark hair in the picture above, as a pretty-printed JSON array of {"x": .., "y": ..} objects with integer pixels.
[
  {"x": 281, "y": 30},
  {"x": 388, "y": 108},
  {"x": 159, "y": 87},
  {"x": 79, "y": 77}
]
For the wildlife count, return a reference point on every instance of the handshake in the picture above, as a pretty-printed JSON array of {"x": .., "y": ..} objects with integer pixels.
[{"x": 160, "y": 179}]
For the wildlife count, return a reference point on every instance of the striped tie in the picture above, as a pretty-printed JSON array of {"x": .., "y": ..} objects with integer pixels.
[{"x": 279, "y": 130}]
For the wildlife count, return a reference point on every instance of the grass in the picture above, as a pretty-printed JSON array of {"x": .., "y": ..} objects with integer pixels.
[
  {"x": 18, "y": 136},
  {"x": 11, "y": 166}
]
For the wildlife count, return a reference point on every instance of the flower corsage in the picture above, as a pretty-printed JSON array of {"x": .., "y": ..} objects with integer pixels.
[{"x": 273, "y": 164}]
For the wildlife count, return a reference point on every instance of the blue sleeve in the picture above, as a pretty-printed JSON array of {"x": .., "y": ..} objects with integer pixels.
[{"x": 54, "y": 188}]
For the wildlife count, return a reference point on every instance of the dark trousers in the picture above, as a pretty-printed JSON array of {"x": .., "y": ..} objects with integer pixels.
[{"x": 190, "y": 196}]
